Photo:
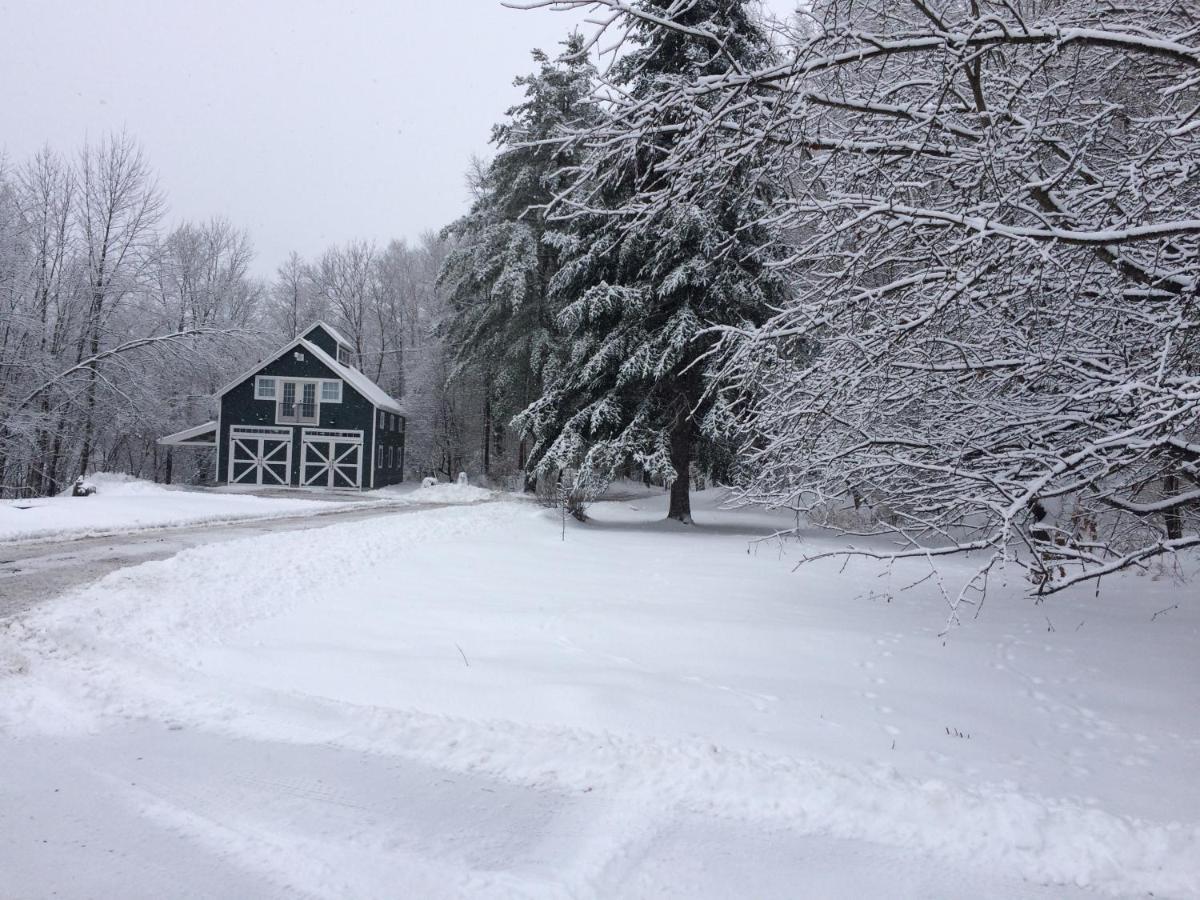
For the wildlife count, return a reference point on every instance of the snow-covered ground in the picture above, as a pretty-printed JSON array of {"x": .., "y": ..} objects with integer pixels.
[
  {"x": 123, "y": 504},
  {"x": 460, "y": 702},
  {"x": 444, "y": 492}
]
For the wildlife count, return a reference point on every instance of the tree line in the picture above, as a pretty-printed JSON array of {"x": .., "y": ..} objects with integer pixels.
[
  {"x": 116, "y": 329},
  {"x": 922, "y": 271}
]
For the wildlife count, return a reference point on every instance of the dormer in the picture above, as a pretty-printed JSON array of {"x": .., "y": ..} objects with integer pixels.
[{"x": 331, "y": 341}]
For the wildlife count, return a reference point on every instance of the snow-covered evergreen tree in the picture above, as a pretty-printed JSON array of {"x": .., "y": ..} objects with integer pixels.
[
  {"x": 994, "y": 210},
  {"x": 500, "y": 325},
  {"x": 641, "y": 295}
]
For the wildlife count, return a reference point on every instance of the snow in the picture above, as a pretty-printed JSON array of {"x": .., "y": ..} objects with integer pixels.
[
  {"x": 357, "y": 380},
  {"x": 122, "y": 503},
  {"x": 443, "y": 492},
  {"x": 461, "y": 701}
]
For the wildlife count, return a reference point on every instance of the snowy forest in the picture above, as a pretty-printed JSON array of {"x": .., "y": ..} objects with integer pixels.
[
  {"x": 600, "y": 448},
  {"x": 921, "y": 269}
]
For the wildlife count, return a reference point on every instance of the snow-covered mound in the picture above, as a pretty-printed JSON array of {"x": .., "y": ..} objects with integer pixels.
[
  {"x": 114, "y": 484},
  {"x": 450, "y": 493}
]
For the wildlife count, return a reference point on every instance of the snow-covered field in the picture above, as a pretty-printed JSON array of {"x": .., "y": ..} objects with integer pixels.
[
  {"x": 123, "y": 504},
  {"x": 459, "y": 702}
]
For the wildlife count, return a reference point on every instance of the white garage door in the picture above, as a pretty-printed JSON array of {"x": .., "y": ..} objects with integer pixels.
[
  {"x": 260, "y": 456},
  {"x": 331, "y": 458}
]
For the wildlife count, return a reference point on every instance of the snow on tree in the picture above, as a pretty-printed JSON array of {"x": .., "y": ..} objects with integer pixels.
[
  {"x": 639, "y": 294},
  {"x": 500, "y": 323},
  {"x": 111, "y": 332},
  {"x": 993, "y": 219}
]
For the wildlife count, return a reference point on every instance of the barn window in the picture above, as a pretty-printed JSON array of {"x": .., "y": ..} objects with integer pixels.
[
  {"x": 331, "y": 392},
  {"x": 298, "y": 404},
  {"x": 343, "y": 355},
  {"x": 264, "y": 388}
]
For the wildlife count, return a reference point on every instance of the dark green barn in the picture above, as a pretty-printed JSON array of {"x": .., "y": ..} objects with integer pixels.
[{"x": 304, "y": 417}]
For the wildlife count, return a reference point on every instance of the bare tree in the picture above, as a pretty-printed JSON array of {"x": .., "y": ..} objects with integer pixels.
[
  {"x": 119, "y": 206},
  {"x": 291, "y": 296},
  {"x": 110, "y": 334}
]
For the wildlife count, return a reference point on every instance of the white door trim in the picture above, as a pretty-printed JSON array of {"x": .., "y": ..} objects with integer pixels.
[
  {"x": 264, "y": 463},
  {"x": 331, "y": 464}
]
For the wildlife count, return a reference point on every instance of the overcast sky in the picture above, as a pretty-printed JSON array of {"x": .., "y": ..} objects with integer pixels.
[{"x": 308, "y": 123}]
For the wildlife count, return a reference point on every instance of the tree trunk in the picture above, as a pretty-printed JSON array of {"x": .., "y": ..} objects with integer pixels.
[
  {"x": 681, "y": 461},
  {"x": 1173, "y": 517},
  {"x": 487, "y": 429}
]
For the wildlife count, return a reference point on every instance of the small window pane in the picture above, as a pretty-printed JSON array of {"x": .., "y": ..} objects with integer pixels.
[
  {"x": 264, "y": 388},
  {"x": 331, "y": 392},
  {"x": 308, "y": 406}
]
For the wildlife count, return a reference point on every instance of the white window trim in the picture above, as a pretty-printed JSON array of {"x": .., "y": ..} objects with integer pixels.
[
  {"x": 299, "y": 382},
  {"x": 338, "y": 384},
  {"x": 259, "y": 394},
  {"x": 343, "y": 354}
]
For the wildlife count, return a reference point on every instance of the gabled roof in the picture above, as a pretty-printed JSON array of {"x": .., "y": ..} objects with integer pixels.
[
  {"x": 373, "y": 393},
  {"x": 357, "y": 380},
  {"x": 333, "y": 333}
]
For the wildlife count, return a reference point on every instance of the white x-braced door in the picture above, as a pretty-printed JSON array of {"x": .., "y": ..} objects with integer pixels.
[
  {"x": 260, "y": 456},
  {"x": 331, "y": 458}
]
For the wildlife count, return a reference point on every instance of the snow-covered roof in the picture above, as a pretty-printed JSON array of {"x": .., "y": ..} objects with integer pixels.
[
  {"x": 356, "y": 379},
  {"x": 188, "y": 436},
  {"x": 333, "y": 332}
]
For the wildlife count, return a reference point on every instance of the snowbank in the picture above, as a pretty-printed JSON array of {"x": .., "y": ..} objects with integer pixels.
[
  {"x": 676, "y": 674},
  {"x": 448, "y": 492},
  {"x": 122, "y": 503}
]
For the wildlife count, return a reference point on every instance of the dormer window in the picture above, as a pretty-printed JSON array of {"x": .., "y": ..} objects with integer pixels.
[{"x": 343, "y": 355}]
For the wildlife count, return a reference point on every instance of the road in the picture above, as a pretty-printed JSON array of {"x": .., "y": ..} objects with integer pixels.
[{"x": 31, "y": 573}]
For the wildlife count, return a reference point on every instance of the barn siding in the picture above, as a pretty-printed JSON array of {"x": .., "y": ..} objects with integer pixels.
[
  {"x": 323, "y": 339},
  {"x": 389, "y": 439},
  {"x": 238, "y": 407}
]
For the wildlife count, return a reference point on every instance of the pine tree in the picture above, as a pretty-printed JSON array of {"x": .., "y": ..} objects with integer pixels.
[
  {"x": 641, "y": 295},
  {"x": 501, "y": 326}
]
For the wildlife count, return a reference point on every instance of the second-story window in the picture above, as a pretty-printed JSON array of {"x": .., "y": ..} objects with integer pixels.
[{"x": 297, "y": 403}]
